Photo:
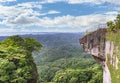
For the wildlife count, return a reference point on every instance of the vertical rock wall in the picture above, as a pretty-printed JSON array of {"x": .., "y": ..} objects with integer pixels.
[{"x": 95, "y": 44}]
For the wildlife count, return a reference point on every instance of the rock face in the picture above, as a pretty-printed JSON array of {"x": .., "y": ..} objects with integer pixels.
[
  {"x": 94, "y": 43},
  {"x": 103, "y": 51}
]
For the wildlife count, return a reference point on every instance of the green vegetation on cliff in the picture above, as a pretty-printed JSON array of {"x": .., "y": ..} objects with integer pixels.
[
  {"x": 113, "y": 35},
  {"x": 16, "y": 62},
  {"x": 115, "y": 73}
]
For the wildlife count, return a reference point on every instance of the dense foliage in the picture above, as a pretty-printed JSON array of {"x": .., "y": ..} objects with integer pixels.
[
  {"x": 63, "y": 61},
  {"x": 62, "y": 71},
  {"x": 16, "y": 62}
]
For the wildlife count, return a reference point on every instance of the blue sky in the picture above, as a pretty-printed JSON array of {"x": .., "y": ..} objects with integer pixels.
[{"x": 55, "y": 15}]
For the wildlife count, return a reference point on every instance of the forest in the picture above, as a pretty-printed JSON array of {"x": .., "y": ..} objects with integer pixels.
[
  {"x": 62, "y": 60},
  {"x": 16, "y": 61},
  {"x": 58, "y": 56}
]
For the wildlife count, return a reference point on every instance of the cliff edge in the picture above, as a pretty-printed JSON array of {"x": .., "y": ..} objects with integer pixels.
[{"x": 105, "y": 48}]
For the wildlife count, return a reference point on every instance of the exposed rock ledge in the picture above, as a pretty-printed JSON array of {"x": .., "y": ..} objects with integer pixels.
[{"x": 95, "y": 44}]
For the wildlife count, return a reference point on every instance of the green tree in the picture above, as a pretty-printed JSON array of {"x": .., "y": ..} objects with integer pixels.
[
  {"x": 114, "y": 25},
  {"x": 111, "y": 25},
  {"x": 117, "y": 21},
  {"x": 32, "y": 45},
  {"x": 16, "y": 61},
  {"x": 89, "y": 75},
  {"x": 6, "y": 68}
]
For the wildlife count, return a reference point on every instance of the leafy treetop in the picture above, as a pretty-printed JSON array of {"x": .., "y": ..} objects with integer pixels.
[
  {"x": 16, "y": 61},
  {"x": 114, "y": 25}
]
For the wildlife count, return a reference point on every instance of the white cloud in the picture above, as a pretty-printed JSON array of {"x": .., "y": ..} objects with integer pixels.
[
  {"x": 75, "y": 22},
  {"x": 30, "y": 5},
  {"x": 111, "y": 13},
  {"x": 117, "y": 9},
  {"x": 22, "y": 15},
  {"x": 83, "y": 1},
  {"x": 81, "y": 22},
  {"x": 49, "y": 12},
  {"x": 21, "y": 20},
  {"x": 112, "y": 1},
  {"x": 13, "y": 12},
  {"x": 7, "y": 0},
  {"x": 7, "y": 30},
  {"x": 93, "y": 1},
  {"x": 7, "y": 12},
  {"x": 53, "y": 12},
  {"x": 52, "y": 1}
]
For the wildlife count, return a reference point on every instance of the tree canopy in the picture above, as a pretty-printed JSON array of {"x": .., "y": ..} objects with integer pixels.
[
  {"x": 114, "y": 25},
  {"x": 16, "y": 62}
]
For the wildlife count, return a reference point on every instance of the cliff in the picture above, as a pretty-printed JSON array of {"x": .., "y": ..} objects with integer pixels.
[{"x": 104, "y": 46}]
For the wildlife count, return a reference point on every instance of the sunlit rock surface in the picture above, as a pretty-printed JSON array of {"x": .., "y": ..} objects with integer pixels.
[{"x": 103, "y": 47}]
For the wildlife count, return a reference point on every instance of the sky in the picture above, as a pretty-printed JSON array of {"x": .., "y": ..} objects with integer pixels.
[{"x": 55, "y": 15}]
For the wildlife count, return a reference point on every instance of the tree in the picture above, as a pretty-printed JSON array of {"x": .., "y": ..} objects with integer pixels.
[
  {"x": 114, "y": 25},
  {"x": 13, "y": 41},
  {"x": 32, "y": 45},
  {"x": 117, "y": 21},
  {"x": 6, "y": 68},
  {"x": 16, "y": 61},
  {"x": 111, "y": 25}
]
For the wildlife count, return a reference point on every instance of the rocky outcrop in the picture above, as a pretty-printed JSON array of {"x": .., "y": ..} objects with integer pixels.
[{"x": 95, "y": 44}]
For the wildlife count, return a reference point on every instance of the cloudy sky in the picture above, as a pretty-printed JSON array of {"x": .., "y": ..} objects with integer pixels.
[{"x": 55, "y": 15}]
